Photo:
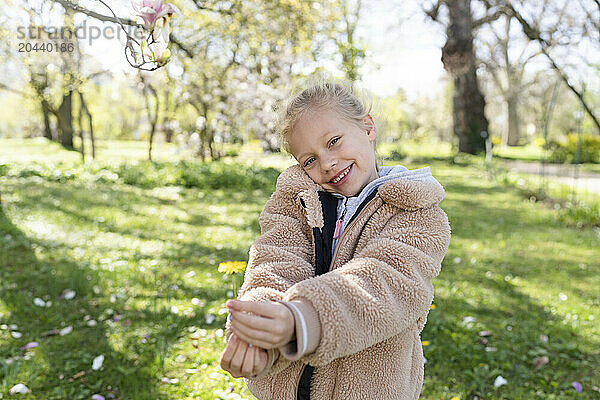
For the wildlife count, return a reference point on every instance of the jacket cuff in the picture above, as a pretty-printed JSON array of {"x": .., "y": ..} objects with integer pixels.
[{"x": 308, "y": 329}]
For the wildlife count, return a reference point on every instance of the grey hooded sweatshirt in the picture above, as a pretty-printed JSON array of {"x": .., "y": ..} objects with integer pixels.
[{"x": 386, "y": 173}]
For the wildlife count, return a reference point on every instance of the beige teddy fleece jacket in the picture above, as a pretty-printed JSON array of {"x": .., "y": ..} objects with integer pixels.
[{"x": 359, "y": 324}]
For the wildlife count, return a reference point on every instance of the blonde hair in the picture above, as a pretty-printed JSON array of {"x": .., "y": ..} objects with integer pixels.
[{"x": 326, "y": 95}]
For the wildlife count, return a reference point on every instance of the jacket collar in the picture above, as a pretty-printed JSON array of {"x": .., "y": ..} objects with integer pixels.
[{"x": 406, "y": 193}]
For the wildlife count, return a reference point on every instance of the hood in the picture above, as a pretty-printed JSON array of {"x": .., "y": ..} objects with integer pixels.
[{"x": 397, "y": 185}]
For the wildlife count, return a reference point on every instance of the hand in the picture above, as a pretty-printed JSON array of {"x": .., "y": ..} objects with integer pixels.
[
  {"x": 272, "y": 326},
  {"x": 242, "y": 361}
]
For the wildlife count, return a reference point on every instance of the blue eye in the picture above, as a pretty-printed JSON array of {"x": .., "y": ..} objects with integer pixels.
[
  {"x": 333, "y": 141},
  {"x": 307, "y": 161}
]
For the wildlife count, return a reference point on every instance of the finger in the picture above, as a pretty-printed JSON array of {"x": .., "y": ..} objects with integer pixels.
[
  {"x": 256, "y": 368},
  {"x": 248, "y": 366},
  {"x": 268, "y": 309},
  {"x": 256, "y": 340},
  {"x": 229, "y": 352},
  {"x": 251, "y": 331},
  {"x": 256, "y": 321},
  {"x": 238, "y": 358}
]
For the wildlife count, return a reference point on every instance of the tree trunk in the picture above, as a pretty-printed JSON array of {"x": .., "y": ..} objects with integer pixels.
[
  {"x": 166, "y": 123},
  {"x": 80, "y": 123},
  {"x": 168, "y": 131},
  {"x": 39, "y": 82},
  {"x": 90, "y": 124},
  {"x": 47, "y": 127},
  {"x": 153, "y": 118},
  {"x": 513, "y": 133},
  {"x": 211, "y": 141},
  {"x": 459, "y": 60},
  {"x": 152, "y": 130},
  {"x": 65, "y": 121}
]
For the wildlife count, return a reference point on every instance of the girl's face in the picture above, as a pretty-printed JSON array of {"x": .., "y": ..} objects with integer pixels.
[{"x": 336, "y": 153}]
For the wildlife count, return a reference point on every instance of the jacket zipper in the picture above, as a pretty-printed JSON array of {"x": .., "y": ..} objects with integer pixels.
[
  {"x": 338, "y": 245},
  {"x": 298, "y": 381},
  {"x": 332, "y": 262},
  {"x": 338, "y": 223}
]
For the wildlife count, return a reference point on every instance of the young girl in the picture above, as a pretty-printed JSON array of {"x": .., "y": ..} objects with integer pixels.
[{"x": 339, "y": 284}]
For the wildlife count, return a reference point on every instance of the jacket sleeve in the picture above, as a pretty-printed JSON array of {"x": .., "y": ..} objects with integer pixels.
[
  {"x": 278, "y": 259},
  {"x": 386, "y": 288}
]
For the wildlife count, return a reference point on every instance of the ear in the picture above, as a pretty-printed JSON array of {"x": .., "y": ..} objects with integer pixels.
[{"x": 370, "y": 127}]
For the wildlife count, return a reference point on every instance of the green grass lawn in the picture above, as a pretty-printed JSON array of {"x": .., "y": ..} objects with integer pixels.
[{"x": 142, "y": 262}]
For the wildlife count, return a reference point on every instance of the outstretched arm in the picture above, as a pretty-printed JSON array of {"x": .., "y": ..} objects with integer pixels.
[
  {"x": 385, "y": 289},
  {"x": 281, "y": 257}
]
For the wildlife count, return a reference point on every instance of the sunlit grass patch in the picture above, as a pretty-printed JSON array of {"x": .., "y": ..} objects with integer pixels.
[{"x": 516, "y": 285}]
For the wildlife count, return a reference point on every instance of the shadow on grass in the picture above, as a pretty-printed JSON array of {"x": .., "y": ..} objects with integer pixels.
[
  {"x": 60, "y": 367},
  {"x": 457, "y": 361},
  {"x": 134, "y": 354},
  {"x": 459, "y": 365},
  {"x": 69, "y": 198}
]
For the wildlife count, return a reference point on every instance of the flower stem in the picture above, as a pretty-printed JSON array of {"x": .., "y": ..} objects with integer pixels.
[{"x": 234, "y": 286}]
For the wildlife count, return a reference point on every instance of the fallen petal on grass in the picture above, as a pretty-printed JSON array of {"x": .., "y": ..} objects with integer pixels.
[
  {"x": 97, "y": 363},
  {"x": 577, "y": 386},
  {"x": 66, "y": 330},
  {"x": 19, "y": 388},
  {"x": 562, "y": 296},
  {"x": 499, "y": 381},
  {"x": 197, "y": 302},
  {"x": 30, "y": 345},
  {"x": 39, "y": 302},
  {"x": 539, "y": 362}
]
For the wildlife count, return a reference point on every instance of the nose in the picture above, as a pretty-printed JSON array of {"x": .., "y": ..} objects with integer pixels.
[{"x": 328, "y": 164}]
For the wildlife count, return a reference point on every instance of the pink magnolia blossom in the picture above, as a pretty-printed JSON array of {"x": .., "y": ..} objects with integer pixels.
[
  {"x": 157, "y": 52},
  {"x": 153, "y": 10},
  {"x": 162, "y": 30}
]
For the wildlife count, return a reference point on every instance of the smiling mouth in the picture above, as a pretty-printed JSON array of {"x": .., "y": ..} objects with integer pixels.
[{"x": 341, "y": 175}]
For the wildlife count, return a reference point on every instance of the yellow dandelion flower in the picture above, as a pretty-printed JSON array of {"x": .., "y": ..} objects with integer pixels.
[
  {"x": 455, "y": 398},
  {"x": 232, "y": 267},
  {"x": 425, "y": 342},
  {"x": 432, "y": 307}
]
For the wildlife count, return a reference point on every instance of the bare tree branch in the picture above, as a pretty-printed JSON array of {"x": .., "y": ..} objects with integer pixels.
[
  {"x": 535, "y": 35},
  {"x": 124, "y": 21},
  {"x": 433, "y": 11},
  {"x": 181, "y": 46},
  {"x": 93, "y": 14},
  {"x": 488, "y": 18}
]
